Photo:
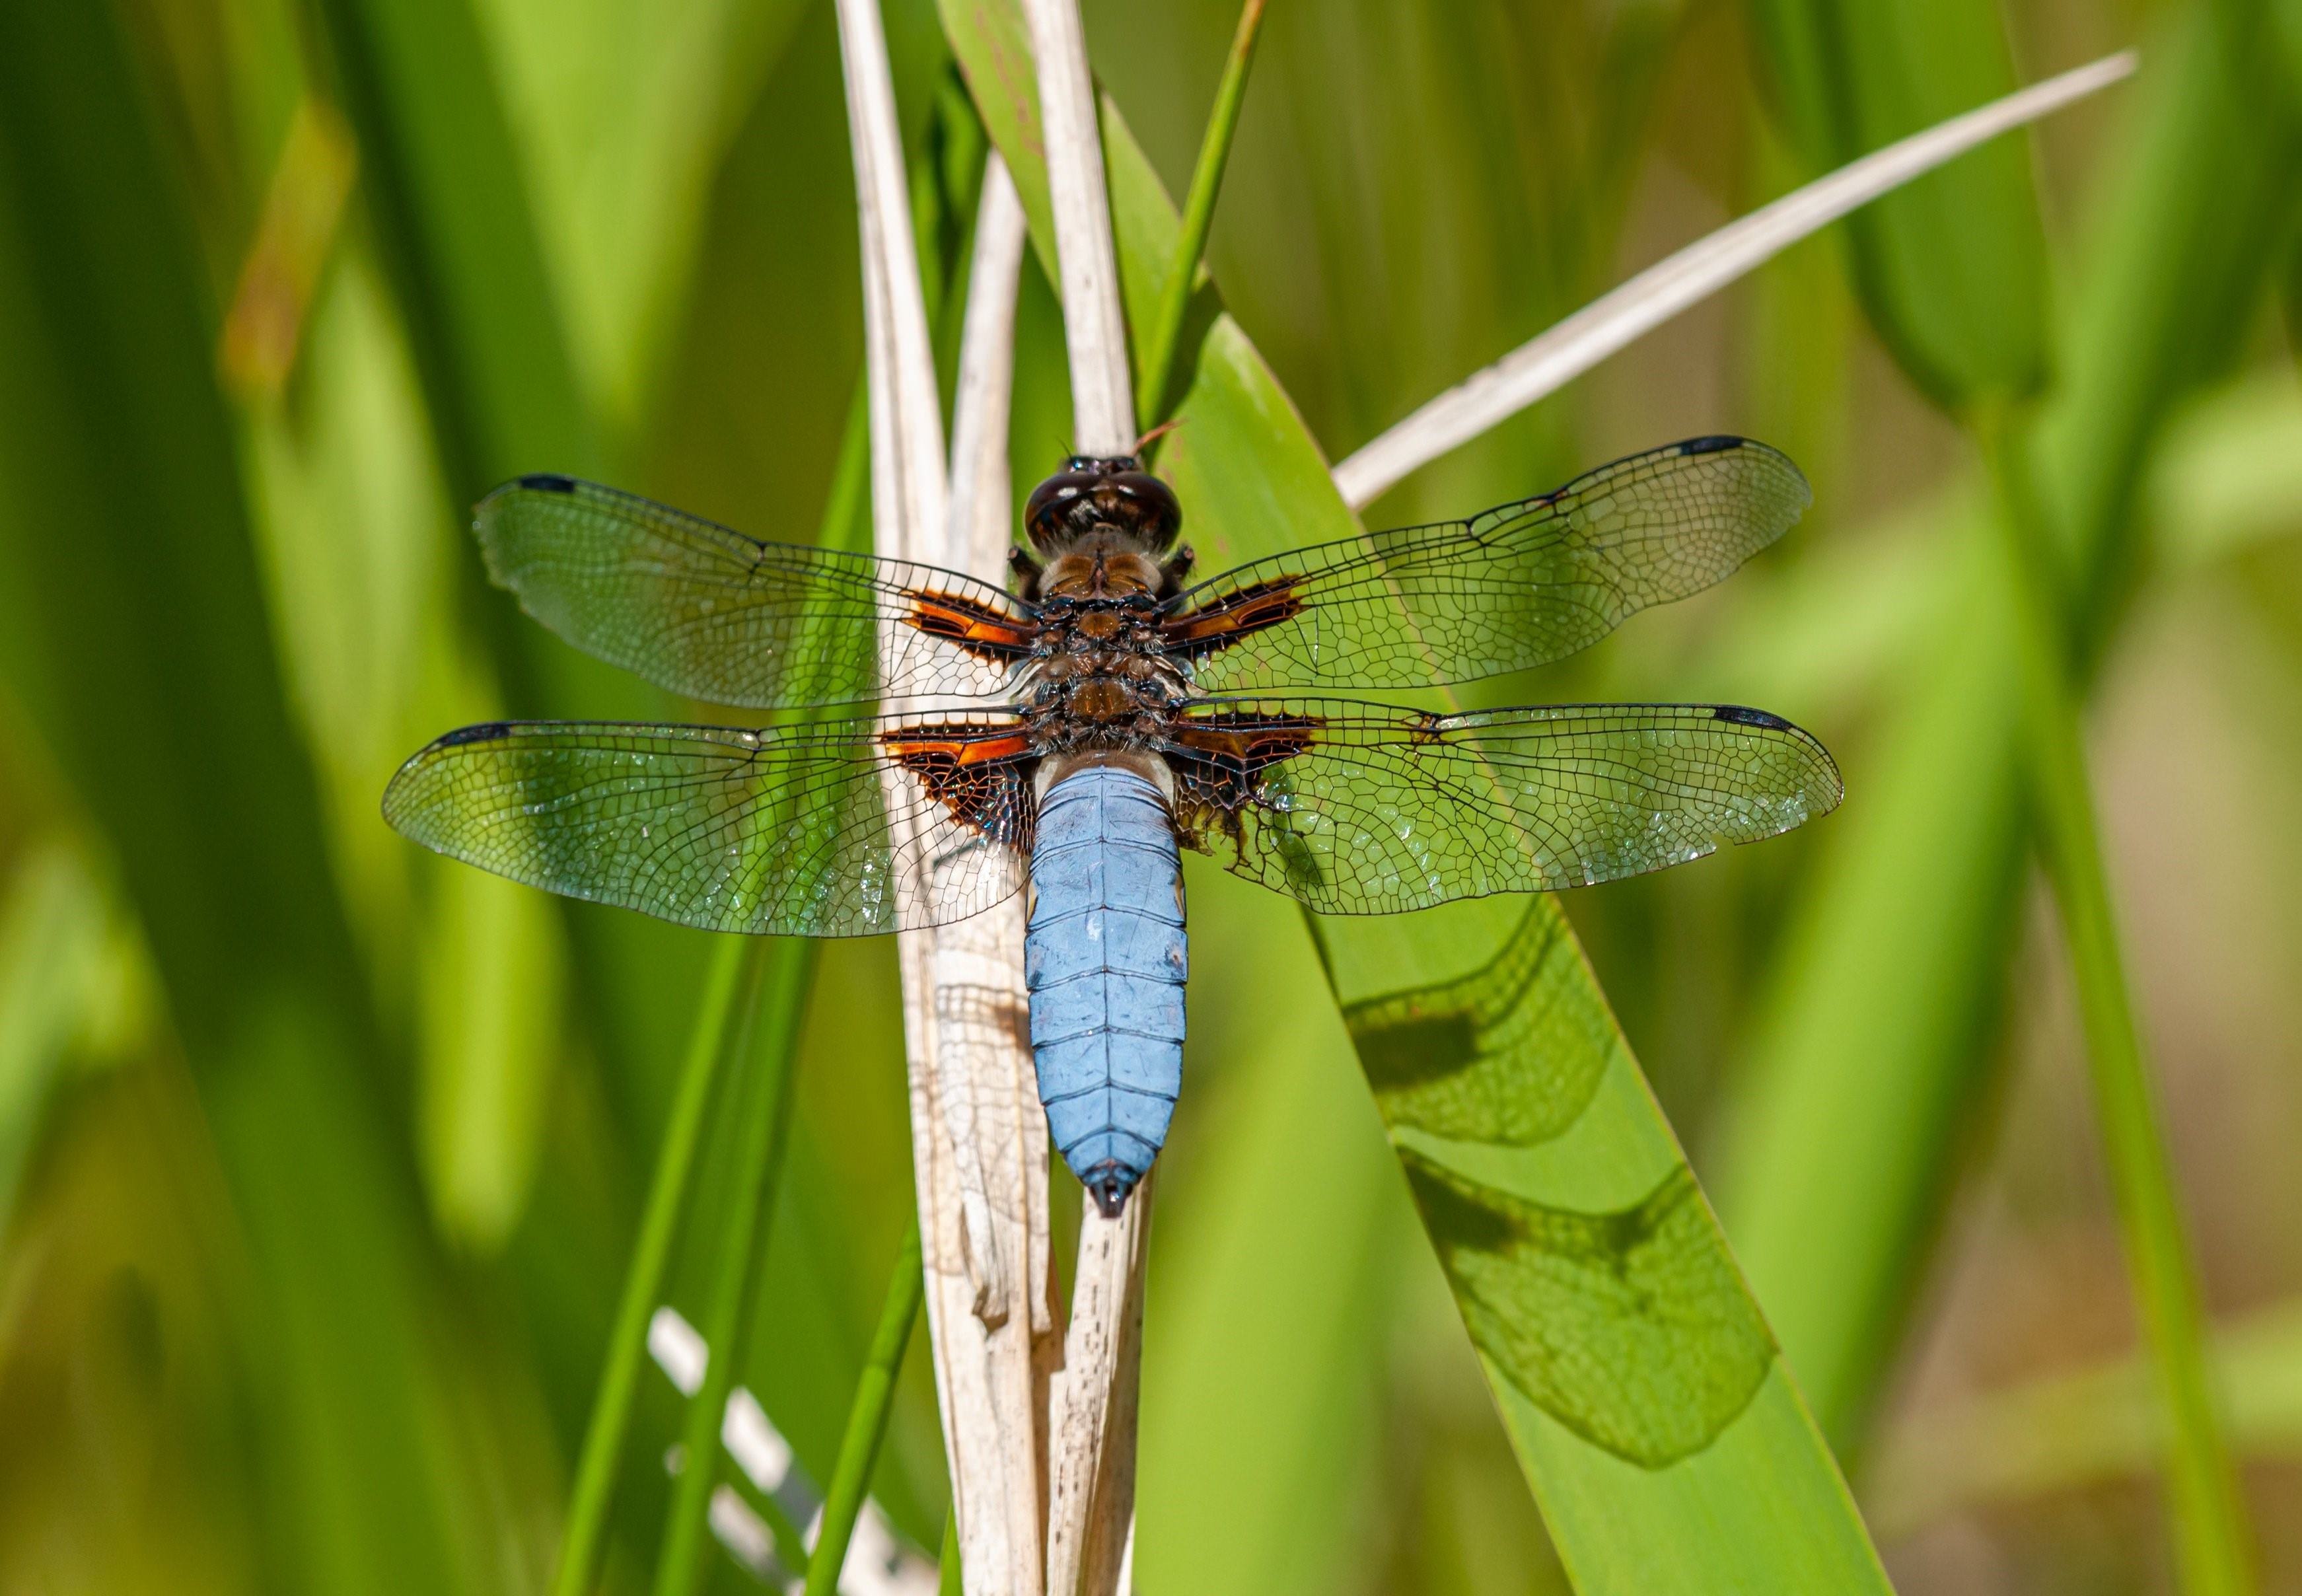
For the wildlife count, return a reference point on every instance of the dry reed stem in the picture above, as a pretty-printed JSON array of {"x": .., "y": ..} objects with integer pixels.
[
  {"x": 1557, "y": 356},
  {"x": 1095, "y": 327},
  {"x": 978, "y": 1144}
]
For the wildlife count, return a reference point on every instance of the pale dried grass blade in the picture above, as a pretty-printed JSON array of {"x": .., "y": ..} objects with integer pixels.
[
  {"x": 1095, "y": 329},
  {"x": 907, "y": 459},
  {"x": 980, "y": 406},
  {"x": 978, "y": 541},
  {"x": 1553, "y": 358},
  {"x": 972, "y": 1111}
]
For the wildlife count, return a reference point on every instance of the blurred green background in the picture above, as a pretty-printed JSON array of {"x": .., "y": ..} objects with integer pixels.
[{"x": 320, "y": 1158}]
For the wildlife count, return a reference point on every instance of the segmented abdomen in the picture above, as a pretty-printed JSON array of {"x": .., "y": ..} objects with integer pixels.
[{"x": 1105, "y": 962}]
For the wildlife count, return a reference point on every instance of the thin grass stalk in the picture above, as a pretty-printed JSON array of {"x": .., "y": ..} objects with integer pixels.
[
  {"x": 2212, "y": 1542},
  {"x": 950, "y": 1580},
  {"x": 867, "y": 1419},
  {"x": 1556, "y": 356},
  {"x": 603, "y": 1438},
  {"x": 1199, "y": 217},
  {"x": 667, "y": 1195},
  {"x": 776, "y": 972}
]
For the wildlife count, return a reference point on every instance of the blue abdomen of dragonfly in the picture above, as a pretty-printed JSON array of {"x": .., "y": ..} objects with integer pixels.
[{"x": 1104, "y": 963}]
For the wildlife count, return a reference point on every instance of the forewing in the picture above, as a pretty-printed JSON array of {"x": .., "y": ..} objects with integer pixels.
[
  {"x": 783, "y": 832},
  {"x": 1360, "y": 809},
  {"x": 1521, "y": 585},
  {"x": 707, "y": 612}
]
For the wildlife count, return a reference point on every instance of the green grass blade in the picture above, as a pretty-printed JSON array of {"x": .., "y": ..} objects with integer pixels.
[
  {"x": 151, "y": 614},
  {"x": 776, "y": 979},
  {"x": 1269, "y": 1343},
  {"x": 586, "y": 1534},
  {"x": 444, "y": 183},
  {"x": 1828, "y": 1176},
  {"x": 51, "y": 939},
  {"x": 867, "y": 1419},
  {"x": 1952, "y": 267},
  {"x": 1199, "y": 216},
  {"x": 1748, "y": 1497},
  {"x": 2212, "y": 1540}
]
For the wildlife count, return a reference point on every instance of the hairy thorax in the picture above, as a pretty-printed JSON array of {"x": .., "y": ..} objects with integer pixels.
[{"x": 1103, "y": 686}]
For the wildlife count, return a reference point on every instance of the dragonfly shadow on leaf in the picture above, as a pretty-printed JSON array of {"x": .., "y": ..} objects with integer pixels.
[
  {"x": 1631, "y": 1328},
  {"x": 1510, "y": 1054}
]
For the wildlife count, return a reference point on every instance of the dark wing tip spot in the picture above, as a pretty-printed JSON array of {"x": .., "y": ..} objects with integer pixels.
[
  {"x": 487, "y": 731},
  {"x": 1717, "y": 443},
  {"x": 1743, "y": 717},
  {"x": 548, "y": 481}
]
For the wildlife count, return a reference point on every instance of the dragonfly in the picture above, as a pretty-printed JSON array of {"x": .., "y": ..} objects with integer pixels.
[{"x": 1071, "y": 731}]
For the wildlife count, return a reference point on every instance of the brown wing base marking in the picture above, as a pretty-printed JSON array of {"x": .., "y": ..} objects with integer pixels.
[
  {"x": 978, "y": 628},
  {"x": 1222, "y": 761},
  {"x": 981, "y": 772},
  {"x": 1227, "y": 617}
]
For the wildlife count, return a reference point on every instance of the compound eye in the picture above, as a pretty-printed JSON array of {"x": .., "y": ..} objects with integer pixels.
[
  {"x": 1043, "y": 513},
  {"x": 1163, "y": 516}
]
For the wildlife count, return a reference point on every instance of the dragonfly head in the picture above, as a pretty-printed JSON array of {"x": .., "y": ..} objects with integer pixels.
[{"x": 1114, "y": 497}]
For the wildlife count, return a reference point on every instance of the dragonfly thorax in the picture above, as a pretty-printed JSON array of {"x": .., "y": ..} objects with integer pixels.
[{"x": 1111, "y": 697}]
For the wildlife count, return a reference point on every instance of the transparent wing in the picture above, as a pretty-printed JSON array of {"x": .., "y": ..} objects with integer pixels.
[
  {"x": 1520, "y": 585},
  {"x": 782, "y": 832},
  {"x": 1360, "y": 809},
  {"x": 707, "y": 612}
]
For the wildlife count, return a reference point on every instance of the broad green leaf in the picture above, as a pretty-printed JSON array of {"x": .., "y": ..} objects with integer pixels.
[
  {"x": 151, "y": 670},
  {"x": 624, "y": 114},
  {"x": 52, "y": 949},
  {"x": 1894, "y": 966},
  {"x": 442, "y": 177},
  {"x": 361, "y": 559},
  {"x": 1452, "y": 1060},
  {"x": 1952, "y": 266},
  {"x": 1628, "y": 1326},
  {"x": 1639, "y": 1491},
  {"x": 1870, "y": 1059},
  {"x": 1274, "y": 1279}
]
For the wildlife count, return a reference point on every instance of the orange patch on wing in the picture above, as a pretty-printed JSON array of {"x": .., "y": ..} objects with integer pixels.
[
  {"x": 980, "y": 628},
  {"x": 980, "y": 773},
  {"x": 1222, "y": 760},
  {"x": 1229, "y": 616},
  {"x": 1245, "y": 742},
  {"x": 961, "y": 744}
]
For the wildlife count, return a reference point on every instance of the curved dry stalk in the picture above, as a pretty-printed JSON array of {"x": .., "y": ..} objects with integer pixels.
[
  {"x": 1553, "y": 358},
  {"x": 980, "y": 512},
  {"x": 979, "y": 1142}
]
